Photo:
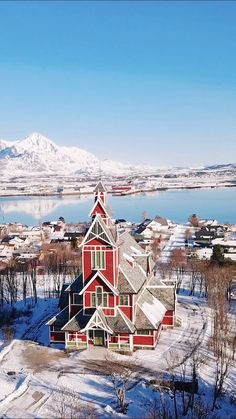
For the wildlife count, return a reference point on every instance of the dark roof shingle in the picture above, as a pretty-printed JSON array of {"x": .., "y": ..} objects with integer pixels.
[
  {"x": 120, "y": 323},
  {"x": 78, "y": 322},
  {"x": 60, "y": 319},
  {"x": 77, "y": 285}
]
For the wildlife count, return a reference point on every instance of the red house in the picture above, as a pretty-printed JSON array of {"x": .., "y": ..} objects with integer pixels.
[{"x": 116, "y": 301}]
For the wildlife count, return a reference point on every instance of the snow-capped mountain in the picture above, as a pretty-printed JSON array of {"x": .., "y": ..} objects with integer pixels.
[
  {"x": 38, "y": 154},
  {"x": 221, "y": 167},
  {"x": 5, "y": 144}
]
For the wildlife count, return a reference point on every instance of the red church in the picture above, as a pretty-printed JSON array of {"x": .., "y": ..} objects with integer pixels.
[{"x": 116, "y": 301}]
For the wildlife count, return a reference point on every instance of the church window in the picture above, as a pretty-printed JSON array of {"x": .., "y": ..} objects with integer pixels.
[
  {"x": 93, "y": 299},
  {"x": 143, "y": 332},
  {"x": 105, "y": 299},
  {"x": 124, "y": 300},
  {"x": 99, "y": 296},
  {"x": 98, "y": 259},
  {"x": 76, "y": 299}
]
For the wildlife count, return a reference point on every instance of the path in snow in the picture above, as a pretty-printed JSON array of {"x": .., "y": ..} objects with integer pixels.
[{"x": 176, "y": 240}]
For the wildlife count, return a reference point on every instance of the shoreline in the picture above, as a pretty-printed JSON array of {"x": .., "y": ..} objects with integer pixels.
[{"x": 133, "y": 192}]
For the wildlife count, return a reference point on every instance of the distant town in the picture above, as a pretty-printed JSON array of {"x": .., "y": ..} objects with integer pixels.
[
  {"x": 198, "y": 237},
  {"x": 163, "y": 179}
]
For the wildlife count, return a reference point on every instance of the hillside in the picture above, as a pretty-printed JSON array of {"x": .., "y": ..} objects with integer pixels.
[{"x": 38, "y": 154}]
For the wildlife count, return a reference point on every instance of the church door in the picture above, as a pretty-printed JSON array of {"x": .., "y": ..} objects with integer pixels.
[{"x": 99, "y": 337}]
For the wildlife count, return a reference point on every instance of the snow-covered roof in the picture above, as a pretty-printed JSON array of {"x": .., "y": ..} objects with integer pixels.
[
  {"x": 155, "y": 311},
  {"x": 134, "y": 274},
  {"x": 223, "y": 242},
  {"x": 153, "y": 308}
]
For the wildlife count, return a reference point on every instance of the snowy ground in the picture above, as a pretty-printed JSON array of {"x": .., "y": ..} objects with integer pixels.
[
  {"x": 176, "y": 240},
  {"x": 33, "y": 376},
  {"x": 36, "y": 380}
]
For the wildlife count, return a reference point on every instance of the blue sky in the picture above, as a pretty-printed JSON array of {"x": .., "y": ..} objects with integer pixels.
[{"x": 142, "y": 82}]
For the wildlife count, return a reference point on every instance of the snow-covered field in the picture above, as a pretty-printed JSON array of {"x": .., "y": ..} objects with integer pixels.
[{"x": 36, "y": 380}]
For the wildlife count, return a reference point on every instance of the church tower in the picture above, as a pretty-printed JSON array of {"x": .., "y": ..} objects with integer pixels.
[{"x": 100, "y": 256}]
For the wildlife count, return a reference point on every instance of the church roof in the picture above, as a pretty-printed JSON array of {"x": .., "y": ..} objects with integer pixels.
[
  {"x": 120, "y": 323},
  {"x": 76, "y": 285},
  {"x": 141, "y": 320},
  {"x": 129, "y": 245},
  {"x": 124, "y": 286},
  {"x": 145, "y": 261},
  {"x": 161, "y": 291},
  {"x": 153, "y": 309},
  {"x": 98, "y": 229},
  {"x": 60, "y": 318},
  {"x": 134, "y": 274},
  {"x": 78, "y": 322},
  {"x": 100, "y": 187},
  {"x": 155, "y": 281},
  {"x": 105, "y": 208}
]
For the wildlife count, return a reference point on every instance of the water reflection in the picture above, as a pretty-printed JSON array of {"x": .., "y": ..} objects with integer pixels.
[
  {"x": 26, "y": 209},
  {"x": 176, "y": 205}
]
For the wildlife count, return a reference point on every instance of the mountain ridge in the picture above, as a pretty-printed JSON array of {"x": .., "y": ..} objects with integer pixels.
[{"x": 37, "y": 153}]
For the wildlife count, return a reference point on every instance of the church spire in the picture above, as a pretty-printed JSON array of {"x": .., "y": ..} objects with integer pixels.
[{"x": 100, "y": 192}]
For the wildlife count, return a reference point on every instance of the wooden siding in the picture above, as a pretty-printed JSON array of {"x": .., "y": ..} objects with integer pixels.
[
  {"x": 108, "y": 272},
  {"x": 127, "y": 310},
  {"x": 57, "y": 337},
  {"x": 168, "y": 318},
  {"x": 87, "y": 299},
  {"x": 97, "y": 282},
  {"x": 75, "y": 336},
  {"x": 98, "y": 210},
  {"x": 143, "y": 340},
  {"x": 109, "y": 311}
]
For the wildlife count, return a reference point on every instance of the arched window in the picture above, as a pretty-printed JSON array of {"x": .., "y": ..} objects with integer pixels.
[
  {"x": 99, "y": 295},
  {"x": 99, "y": 298}
]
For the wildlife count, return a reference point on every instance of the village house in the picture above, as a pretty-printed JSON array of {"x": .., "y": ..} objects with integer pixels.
[
  {"x": 151, "y": 230},
  {"x": 228, "y": 244},
  {"x": 207, "y": 233},
  {"x": 116, "y": 301}
]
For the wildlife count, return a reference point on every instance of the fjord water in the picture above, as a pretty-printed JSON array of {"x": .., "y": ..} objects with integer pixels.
[{"x": 176, "y": 205}]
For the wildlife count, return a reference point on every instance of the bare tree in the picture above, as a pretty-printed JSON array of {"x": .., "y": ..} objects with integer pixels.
[
  {"x": 8, "y": 333},
  {"x": 223, "y": 332},
  {"x": 178, "y": 262},
  {"x": 121, "y": 373},
  {"x": 193, "y": 268},
  {"x": 194, "y": 220},
  {"x": 68, "y": 405},
  {"x": 156, "y": 247},
  {"x": 158, "y": 409}
]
